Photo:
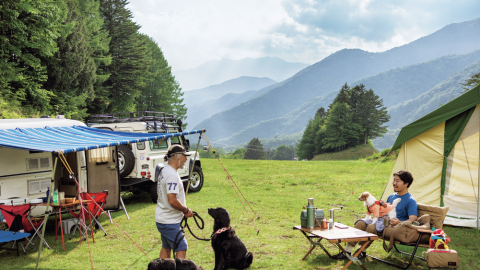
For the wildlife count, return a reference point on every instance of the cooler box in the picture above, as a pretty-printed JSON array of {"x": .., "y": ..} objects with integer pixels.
[
  {"x": 319, "y": 215},
  {"x": 67, "y": 225}
]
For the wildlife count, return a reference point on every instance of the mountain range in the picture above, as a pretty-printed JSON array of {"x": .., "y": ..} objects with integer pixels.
[
  {"x": 203, "y": 103},
  {"x": 218, "y": 71},
  {"x": 396, "y": 75}
]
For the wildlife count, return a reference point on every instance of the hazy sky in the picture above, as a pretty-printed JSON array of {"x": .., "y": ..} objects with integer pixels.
[{"x": 191, "y": 32}]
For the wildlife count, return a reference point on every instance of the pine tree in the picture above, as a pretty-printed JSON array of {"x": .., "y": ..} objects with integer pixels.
[
  {"x": 284, "y": 152},
  {"x": 374, "y": 117},
  {"x": 161, "y": 92},
  {"x": 28, "y": 30},
  {"x": 254, "y": 149},
  {"x": 129, "y": 61},
  {"x": 471, "y": 83},
  {"x": 340, "y": 130},
  {"x": 72, "y": 69}
]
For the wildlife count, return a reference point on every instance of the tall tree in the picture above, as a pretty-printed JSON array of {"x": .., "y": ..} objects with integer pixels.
[
  {"x": 471, "y": 83},
  {"x": 72, "y": 69},
  {"x": 254, "y": 149},
  {"x": 161, "y": 92},
  {"x": 374, "y": 117},
  {"x": 340, "y": 130},
  {"x": 28, "y": 30},
  {"x": 284, "y": 152},
  {"x": 129, "y": 61}
]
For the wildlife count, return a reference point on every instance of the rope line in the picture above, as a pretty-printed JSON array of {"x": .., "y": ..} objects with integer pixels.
[
  {"x": 82, "y": 208},
  {"x": 229, "y": 177},
  {"x": 64, "y": 161},
  {"x": 378, "y": 163}
]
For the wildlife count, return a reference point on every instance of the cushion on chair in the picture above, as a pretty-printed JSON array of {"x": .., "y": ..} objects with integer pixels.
[{"x": 437, "y": 214}]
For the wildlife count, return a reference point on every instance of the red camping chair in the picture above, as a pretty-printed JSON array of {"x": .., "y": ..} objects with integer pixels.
[
  {"x": 96, "y": 211},
  {"x": 18, "y": 218}
]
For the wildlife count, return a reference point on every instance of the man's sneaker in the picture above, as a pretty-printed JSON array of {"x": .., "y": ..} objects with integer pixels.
[{"x": 340, "y": 256}]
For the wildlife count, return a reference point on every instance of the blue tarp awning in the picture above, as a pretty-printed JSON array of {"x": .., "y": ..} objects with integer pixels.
[{"x": 74, "y": 138}]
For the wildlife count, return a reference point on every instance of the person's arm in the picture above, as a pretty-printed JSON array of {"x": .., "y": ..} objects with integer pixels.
[
  {"x": 177, "y": 205},
  {"x": 395, "y": 221}
]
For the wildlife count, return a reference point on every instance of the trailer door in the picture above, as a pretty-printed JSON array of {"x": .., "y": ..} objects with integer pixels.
[{"x": 102, "y": 174}]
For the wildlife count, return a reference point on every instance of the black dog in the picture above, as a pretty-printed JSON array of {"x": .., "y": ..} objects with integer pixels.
[
  {"x": 230, "y": 252},
  {"x": 171, "y": 264},
  {"x": 162, "y": 264}
]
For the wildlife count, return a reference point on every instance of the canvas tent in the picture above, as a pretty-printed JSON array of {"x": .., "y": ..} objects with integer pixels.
[{"x": 441, "y": 150}]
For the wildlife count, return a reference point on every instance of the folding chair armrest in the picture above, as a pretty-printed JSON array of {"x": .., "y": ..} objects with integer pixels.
[{"x": 424, "y": 231}]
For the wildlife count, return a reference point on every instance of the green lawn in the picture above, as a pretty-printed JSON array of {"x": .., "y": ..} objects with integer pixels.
[{"x": 277, "y": 191}]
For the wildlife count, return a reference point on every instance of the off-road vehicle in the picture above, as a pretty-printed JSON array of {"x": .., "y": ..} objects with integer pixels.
[{"x": 137, "y": 161}]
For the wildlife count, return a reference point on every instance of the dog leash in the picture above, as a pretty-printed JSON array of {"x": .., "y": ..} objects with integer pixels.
[{"x": 182, "y": 230}]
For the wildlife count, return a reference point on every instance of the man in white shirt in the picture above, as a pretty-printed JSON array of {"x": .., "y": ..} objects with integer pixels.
[{"x": 171, "y": 204}]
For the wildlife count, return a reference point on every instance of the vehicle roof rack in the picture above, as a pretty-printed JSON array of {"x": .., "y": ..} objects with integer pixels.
[{"x": 123, "y": 117}]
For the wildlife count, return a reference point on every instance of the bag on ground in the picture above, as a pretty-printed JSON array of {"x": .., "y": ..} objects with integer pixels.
[{"x": 442, "y": 258}]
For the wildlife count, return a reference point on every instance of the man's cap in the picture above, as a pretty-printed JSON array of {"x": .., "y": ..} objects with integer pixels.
[{"x": 177, "y": 149}]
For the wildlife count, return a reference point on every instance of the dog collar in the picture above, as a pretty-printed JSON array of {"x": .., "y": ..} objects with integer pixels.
[
  {"x": 377, "y": 202},
  {"x": 220, "y": 231}
]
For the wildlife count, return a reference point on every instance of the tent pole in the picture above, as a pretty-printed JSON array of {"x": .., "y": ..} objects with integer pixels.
[
  {"x": 478, "y": 180},
  {"x": 52, "y": 184},
  {"x": 405, "y": 147}
]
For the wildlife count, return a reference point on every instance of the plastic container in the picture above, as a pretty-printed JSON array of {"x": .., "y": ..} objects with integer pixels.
[
  {"x": 303, "y": 219},
  {"x": 55, "y": 196},
  {"x": 61, "y": 197}
]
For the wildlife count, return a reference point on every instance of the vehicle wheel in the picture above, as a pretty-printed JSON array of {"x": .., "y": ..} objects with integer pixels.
[
  {"x": 153, "y": 192},
  {"x": 197, "y": 180},
  {"x": 126, "y": 160}
]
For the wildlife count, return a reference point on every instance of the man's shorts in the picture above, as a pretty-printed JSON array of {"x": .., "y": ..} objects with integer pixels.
[{"x": 168, "y": 233}]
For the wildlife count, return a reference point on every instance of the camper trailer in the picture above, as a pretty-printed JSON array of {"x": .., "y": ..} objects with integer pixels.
[
  {"x": 26, "y": 174},
  {"x": 29, "y": 151}
]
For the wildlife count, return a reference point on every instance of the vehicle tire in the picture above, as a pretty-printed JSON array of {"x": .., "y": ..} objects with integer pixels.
[
  {"x": 197, "y": 180},
  {"x": 153, "y": 192},
  {"x": 126, "y": 160}
]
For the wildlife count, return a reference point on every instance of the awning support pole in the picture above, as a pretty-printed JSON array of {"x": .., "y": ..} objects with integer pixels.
[
  {"x": 50, "y": 193},
  {"x": 193, "y": 165},
  {"x": 478, "y": 180}
]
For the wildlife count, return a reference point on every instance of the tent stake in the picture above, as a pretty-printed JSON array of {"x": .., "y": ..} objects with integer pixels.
[{"x": 52, "y": 184}]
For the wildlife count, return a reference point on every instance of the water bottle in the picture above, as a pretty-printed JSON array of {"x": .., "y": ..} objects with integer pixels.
[
  {"x": 55, "y": 196},
  {"x": 310, "y": 214}
]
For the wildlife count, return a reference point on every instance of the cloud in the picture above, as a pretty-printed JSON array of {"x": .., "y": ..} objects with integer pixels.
[{"x": 192, "y": 32}]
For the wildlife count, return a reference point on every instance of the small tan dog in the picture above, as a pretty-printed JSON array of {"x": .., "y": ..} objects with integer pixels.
[{"x": 378, "y": 208}]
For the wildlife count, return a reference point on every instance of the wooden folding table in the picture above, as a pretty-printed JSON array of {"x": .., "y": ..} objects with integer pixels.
[{"x": 337, "y": 236}]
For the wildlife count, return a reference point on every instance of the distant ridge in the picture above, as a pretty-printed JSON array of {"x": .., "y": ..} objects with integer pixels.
[
  {"x": 328, "y": 75},
  {"x": 218, "y": 71},
  {"x": 394, "y": 86},
  {"x": 203, "y": 103}
]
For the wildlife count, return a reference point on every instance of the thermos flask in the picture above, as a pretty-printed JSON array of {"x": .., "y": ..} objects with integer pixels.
[{"x": 311, "y": 214}]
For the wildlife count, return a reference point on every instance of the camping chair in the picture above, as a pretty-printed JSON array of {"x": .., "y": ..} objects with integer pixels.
[
  {"x": 18, "y": 218},
  {"x": 437, "y": 215},
  {"x": 100, "y": 199}
]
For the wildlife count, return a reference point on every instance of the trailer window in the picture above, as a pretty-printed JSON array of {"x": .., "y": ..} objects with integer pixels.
[
  {"x": 158, "y": 144},
  {"x": 38, "y": 186},
  {"x": 99, "y": 155}
]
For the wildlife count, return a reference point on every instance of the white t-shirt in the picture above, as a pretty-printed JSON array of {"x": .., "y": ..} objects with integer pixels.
[{"x": 169, "y": 182}]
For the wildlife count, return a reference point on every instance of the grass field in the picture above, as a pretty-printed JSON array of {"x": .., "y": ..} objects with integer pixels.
[
  {"x": 353, "y": 153},
  {"x": 277, "y": 191}
]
